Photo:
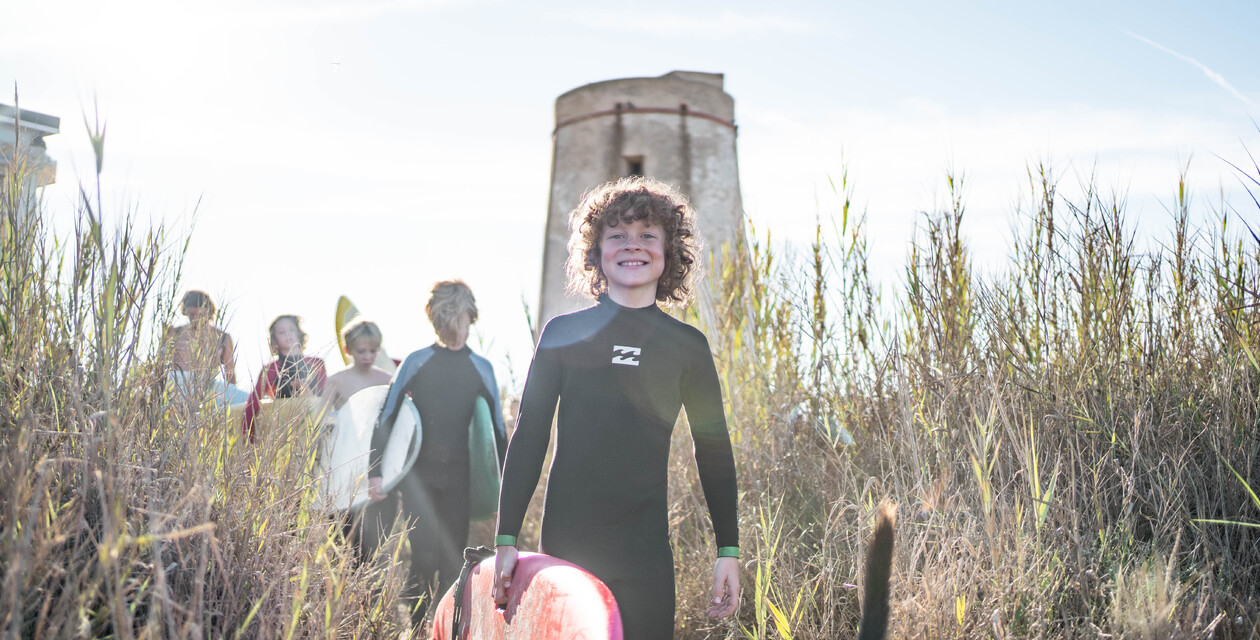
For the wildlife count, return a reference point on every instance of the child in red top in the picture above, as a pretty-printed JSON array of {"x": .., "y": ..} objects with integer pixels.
[{"x": 290, "y": 375}]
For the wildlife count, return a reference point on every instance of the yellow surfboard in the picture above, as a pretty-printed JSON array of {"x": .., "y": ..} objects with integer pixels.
[{"x": 346, "y": 314}]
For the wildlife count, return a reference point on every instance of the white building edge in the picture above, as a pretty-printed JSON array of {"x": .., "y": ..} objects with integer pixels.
[{"x": 22, "y": 133}]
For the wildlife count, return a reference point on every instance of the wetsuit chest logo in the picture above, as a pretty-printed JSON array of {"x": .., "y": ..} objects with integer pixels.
[{"x": 626, "y": 355}]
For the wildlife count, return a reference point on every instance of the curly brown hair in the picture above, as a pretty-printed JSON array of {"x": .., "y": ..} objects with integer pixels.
[{"x": 624, "y": 201}]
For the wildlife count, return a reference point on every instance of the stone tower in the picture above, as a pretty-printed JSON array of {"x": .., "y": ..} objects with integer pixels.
[{"x": 678, "y": 128}]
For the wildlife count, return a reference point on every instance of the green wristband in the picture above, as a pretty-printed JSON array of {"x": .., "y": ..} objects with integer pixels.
[
  {"x": 728, "y": 552},
  {"x": 505, "y": 541}
]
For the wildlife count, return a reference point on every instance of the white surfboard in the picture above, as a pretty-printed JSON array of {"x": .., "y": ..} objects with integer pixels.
[{"x": 344, "y": 454}]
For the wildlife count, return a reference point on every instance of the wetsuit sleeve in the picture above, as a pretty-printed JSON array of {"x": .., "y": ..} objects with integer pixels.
[
  {"x": 265, "y": 385},
  {"x": 702, "y": 398},
  {"x": 500, "y": 430},
  {"x": 529, "y": 442},
  {"x": 389, "y": 411}
]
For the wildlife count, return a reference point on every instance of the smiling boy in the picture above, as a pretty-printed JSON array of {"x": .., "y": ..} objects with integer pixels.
[{"x": 622, "y": 371}]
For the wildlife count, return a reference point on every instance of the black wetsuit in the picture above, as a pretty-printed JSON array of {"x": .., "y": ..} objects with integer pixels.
[
  {"x": 435, "y": 492},
  {"x": 621, "y": 375}
]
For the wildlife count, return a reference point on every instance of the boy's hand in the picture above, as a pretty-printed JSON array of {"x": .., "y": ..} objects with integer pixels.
[
  {"x": 504, "y": 566},
  {"x": 374, "y": 490},
  {"x": 725, "y": 588}
]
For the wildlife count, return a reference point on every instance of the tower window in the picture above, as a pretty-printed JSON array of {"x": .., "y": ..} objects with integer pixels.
[{"x": 634, "y": 165}]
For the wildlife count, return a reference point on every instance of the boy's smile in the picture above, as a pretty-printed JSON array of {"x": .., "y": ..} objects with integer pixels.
[{"x": 632, "y": 257}]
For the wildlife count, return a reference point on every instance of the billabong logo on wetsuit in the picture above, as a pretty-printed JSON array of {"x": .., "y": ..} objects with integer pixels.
[{"x": 627, "y": 355}]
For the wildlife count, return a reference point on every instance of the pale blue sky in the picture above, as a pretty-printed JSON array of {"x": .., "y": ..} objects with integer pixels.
[{"x": 389, "y": 143}]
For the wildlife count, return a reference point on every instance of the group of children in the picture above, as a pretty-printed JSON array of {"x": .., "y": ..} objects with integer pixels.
[
  {"x": 294, "y": 375},
  {"x": 613, "y": 378},
  {"x": 201, "y": 356},
  {"x": 442, "y": 380}
]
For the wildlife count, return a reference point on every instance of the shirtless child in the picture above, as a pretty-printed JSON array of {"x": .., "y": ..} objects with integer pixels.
[
  {"x": 199, "y": 352},
  {"x": 363, "y": 343}
]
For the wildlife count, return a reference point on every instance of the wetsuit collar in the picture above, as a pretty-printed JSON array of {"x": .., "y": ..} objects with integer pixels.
[
  {"x": 438, "y": 348},
  {"x": 606, "y": 301}
]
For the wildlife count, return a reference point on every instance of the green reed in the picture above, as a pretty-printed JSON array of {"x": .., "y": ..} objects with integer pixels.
[
  {"x": 1073, "y": 439},
  {"x": 129, "y": 511}
]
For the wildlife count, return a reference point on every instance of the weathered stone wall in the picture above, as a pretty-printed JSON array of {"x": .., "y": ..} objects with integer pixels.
[{"x": 680, "y": 127}]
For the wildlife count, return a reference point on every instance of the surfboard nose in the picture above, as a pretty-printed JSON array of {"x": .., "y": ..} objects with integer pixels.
[{"x": 550, "y": 599}]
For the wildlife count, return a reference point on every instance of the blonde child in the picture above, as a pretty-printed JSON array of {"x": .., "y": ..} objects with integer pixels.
[
  {"x": 363, "y": 342},
  {"x": 444, "y": 381},
  {"x": 369, "y": 526}
]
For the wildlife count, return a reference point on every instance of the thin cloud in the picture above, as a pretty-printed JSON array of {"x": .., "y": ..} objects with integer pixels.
[
  {"x": 333, "y": 12},
  {"x": 728, "y": 24},
  {"x": 83, "y": 26},
  {"x": 1212, "y": 75}
]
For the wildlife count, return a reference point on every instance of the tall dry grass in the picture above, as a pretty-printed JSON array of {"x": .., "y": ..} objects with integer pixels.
[
  {"x": 1073, "y": 441},
  {"x": 130, "y": 512}
]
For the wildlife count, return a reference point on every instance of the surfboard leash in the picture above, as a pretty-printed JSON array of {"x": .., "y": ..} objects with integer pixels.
[{"x": 472, "y": 557}]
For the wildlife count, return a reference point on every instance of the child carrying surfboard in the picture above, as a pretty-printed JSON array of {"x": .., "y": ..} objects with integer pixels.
[
  {"x": 445, "y": 381},
  {"x": 363, "y": 342},
  {"x": 367, "y": 528},
  {"x": 621, "y": 372}
]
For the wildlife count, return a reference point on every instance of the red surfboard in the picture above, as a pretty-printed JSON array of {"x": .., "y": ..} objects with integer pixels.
[{"x": 550, "y": 599}]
